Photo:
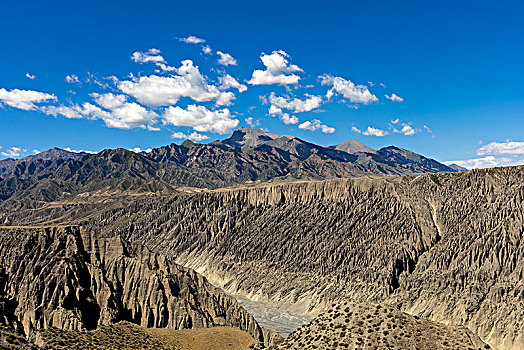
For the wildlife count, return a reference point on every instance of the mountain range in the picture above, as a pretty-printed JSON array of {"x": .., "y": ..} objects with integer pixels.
[{"x": 248, "y": 156}]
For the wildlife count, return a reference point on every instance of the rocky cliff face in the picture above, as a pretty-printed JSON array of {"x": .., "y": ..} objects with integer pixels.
[
  {"x": 447, "y": 247},
  {"x": 68, "y": 278}
]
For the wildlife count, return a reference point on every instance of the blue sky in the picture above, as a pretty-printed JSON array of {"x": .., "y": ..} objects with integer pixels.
[{"x": 443, "y": 79}]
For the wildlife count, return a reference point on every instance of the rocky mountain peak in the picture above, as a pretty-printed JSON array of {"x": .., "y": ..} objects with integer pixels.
[
  {"x": 353, "y": 146},
  {"x": 246, "y": 137}
]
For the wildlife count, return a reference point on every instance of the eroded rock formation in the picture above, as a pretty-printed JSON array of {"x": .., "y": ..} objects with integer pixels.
[
  {"x": 68, "y": 278},
  {"x": 448, "y": 247}
]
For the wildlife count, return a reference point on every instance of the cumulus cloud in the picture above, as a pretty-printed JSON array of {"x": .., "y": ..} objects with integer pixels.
[
  {"x": 428, "y": 129},
  {"x": 71, "y": 79},
  {"x": 394, "y": 98},
  {"x": 201, "y": 119},
  {"x": 502, "y": 148},
  {"x": 278, "y": 70},
  {"x": 227, "y": 82},
  {"x": 371, "y": 131},
  {"x": 152, "y": 55},
  {"x": 296, "y": 105},
  {"x": 13, "y": 152},
  {"x": 316, "y": 124},
  {"x": 117, "y": 112},
  {"x": 226, "y": 59},
  {"x": 406, "y": 130},
  {"x": 24, "y": 99},
  {"x": 285, "y": 117},
  {"x": 486, "y": 162},
  {"x": 195, "y": 136},
  {"x": 346, "y": 88},
  {"x": 192, "y": 40},
  {"x": 30, "y": 76},
  {"x": 207, "y": 50},
  {"x": 124, "y": 115},
  {"x": 355, "y": 129},
  {"x": 157, "y": 91},
  {"x": 289, "y": 119}
]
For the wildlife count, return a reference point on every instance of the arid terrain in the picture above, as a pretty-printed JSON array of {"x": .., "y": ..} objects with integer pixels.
[{"x": 101, "y": 245}]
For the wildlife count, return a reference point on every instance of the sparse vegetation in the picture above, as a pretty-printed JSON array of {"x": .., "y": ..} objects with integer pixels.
[{"x": 377, "y": 327}]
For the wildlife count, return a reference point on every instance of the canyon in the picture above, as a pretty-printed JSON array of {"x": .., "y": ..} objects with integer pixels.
[{"x": 168, "y": 239}]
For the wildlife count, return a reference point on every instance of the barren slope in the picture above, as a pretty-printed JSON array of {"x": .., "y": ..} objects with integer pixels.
[{"x": 445, "y": 246}]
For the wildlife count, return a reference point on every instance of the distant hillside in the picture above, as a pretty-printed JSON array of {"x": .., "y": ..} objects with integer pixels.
[{"x": 49, "y": 155}]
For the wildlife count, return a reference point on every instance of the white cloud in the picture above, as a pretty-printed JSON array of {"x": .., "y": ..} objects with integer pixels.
[
  {"x": 195, "y": 136},
  {"x": 407, "y": 130},
  {"x": 371, "y": 131},
  {"x": 226, "y": 59},
  {"x": 316, "y": 124},
  {"x": 296, "y": 105},
  {"x": 395, "y": 121},
  {"x": 355, "y": 129},
  {"x": 207, "y": 50},
  {"x": 228, "y": 82},
  {"x": 157, "y": 91},
  {"x": 225, "y": 99},
  {"x": 500, "y": 148},
  {"x": 354, "y": 93},
  {"x": 394, "y": 98},
  {"x": 70, "y": 79},
  {"x": 70, "y": 112},
  {"x": 139, "y": 150},
  {"x": 251, "y": 122},
  {"x": 274, "y": 110},
  {"x": 78, "y": 151},
  {"x": 287, "y": 119},
  {"x": 24, "y": 99},
  {"x": 152, "y": 55},
  {"x": 201, "y": 119},
  {"x": 124, "y": 115},
  {"x": 427, "y": 128},
  {"x": 485, "y": 162},
  {"x": 192, "y": 40},
  {"x": 278, "y": 70},
  {"x": 118, "y": 113},
  {"x": 29, "y": 76},
  {"x": 13, "y": 152}
]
